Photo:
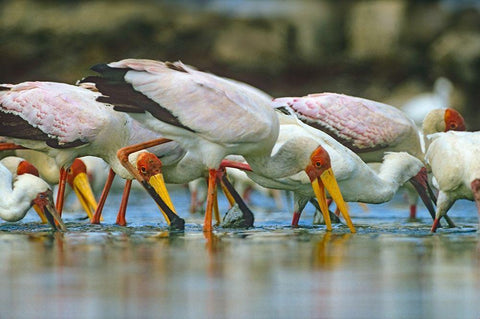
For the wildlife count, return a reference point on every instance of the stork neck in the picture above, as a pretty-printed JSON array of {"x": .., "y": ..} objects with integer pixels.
[
  {"x": 290, "y": 159},
  {"x": 12, "y": 205},
  {"x": 434, "y": 122},
  {"x": 398, "y": 168}
]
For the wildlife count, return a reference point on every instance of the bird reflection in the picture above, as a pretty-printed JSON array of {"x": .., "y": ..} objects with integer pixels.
[{"x": 330, "y": 250}]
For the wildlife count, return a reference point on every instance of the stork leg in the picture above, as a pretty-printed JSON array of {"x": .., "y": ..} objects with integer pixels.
[
  {"x": 216, "y": 211},
  {"x": 299, "y": 203},
  {"x": 212, "y": 181},
  {"x": 103, "y": 197},
  {"x": 413, "y": 211},
  {"x": 173, "y": 219},
  {"x": 61, "y": 191},
  {"x": 122, "y": 211},
  {"x": 193, "y": 201}
]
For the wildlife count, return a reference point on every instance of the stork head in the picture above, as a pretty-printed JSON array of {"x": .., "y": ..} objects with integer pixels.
[
  {"x": 148, "y": 165},
  {"x": 320, "y": 172},
  {"x": 150, "y": 168},
  {"x": 77, "y": 178},
  {"x": 25, "y": 167},
  {"x": 454, "y": 121},
  {"x": 44, "y": 202}
]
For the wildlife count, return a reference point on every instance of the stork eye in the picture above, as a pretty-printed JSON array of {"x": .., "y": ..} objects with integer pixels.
[
  {"x": 318, "y": 164},
  {"x": 41, "y": 196},
  {"x": 69, "y": 170},
  {"x": 143, "y": 169},
  {"x": 453, "y": 126}
]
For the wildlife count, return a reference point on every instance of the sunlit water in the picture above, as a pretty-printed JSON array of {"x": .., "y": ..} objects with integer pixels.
[{"x": 390, "y": 269}]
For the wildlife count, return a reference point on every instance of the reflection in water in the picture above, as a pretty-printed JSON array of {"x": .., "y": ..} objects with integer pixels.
[
  {"x": 278, "y": 273},
  {"x": 330, "y": 250},
  {"x": 389, "y": 269}
]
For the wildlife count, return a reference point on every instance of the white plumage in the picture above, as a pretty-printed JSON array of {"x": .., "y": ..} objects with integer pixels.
[{"x": 453, "y": 157}]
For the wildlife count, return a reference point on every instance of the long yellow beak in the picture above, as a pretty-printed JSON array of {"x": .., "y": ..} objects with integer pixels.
[
  {"x": 328, "y": 179},
  {"x": 228, "y": 195},
  {"x": 40, "y": 213},
  {"x": 82, "y": 189},
  {"x": 319, "y": 191},
  {"x": 158, "y": 183}
]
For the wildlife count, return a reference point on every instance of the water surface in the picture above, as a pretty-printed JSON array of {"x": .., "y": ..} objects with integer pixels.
[{"x": 391, "y": 268}]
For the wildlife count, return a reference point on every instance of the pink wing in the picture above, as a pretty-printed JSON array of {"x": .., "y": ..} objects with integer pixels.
[
  {"x": 62, "y": 115},
  {"x": 360, "y": 124}
]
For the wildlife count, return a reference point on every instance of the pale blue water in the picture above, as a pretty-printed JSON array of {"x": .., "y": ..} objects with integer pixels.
[{"x": 390, "y": 269}]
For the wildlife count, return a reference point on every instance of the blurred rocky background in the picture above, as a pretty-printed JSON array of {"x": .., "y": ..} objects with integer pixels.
[{"x": 385, "y": 50}]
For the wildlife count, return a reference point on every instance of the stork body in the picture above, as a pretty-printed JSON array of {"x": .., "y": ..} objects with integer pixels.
[
  {"x": 207, "y": 115},
  {"x": 20, "y": 194},
  {"x": 453, "y": 157},
  {"x": 369, "y": 128},
  {"x": 66, "y": 122}
]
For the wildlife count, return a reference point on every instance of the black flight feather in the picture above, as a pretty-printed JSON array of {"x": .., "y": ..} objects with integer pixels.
[
  {"x": 117, "y": 92},
  {"x": 14, "y": 126}
]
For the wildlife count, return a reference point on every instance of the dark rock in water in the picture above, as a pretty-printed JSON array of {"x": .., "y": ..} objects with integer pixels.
[
  {"x": 319, "y": 220},
  {"x": 234, "y": 218}
]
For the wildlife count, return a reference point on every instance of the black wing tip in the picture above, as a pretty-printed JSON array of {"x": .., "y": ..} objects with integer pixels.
[
  {"x": 284, "y": 110},
  {"x": 109, "y": 72},
  {"x": 88, "y": 79},
  {"x": 100, "y": 68}
]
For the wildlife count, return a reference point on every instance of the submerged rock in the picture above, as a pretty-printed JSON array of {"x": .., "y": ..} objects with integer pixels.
[
  {"x": 234, "y": 218},
  {"x": 319, "y": 220}
]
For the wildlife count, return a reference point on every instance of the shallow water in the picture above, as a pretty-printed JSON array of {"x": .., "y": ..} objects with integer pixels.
[{"x": 390, "y": 269}]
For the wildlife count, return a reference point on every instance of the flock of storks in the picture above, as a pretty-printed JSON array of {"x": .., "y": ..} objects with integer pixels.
[{"x": 161, "y": 122}]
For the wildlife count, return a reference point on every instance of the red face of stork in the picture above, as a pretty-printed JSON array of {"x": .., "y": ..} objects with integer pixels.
[
  {"x": 454, "y": 121},
  {"x": 321, "y": 176},
  {"x": 44, "y": 203},
  {"x": 150, "y": 167},
  {"x": 26, "y": 168},
  {"x": 77, "y": 178}
]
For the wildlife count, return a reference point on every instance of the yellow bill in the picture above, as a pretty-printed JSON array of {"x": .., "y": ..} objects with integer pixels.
[
  {"x": 82, "y": 189},
  {"x": 158, "y": 183},
  {"x": 229, "y": 196},
  {"x": 40, "y": 213},
  {"x": 319, "y": 191},
  {"x": 328, "y": 179}
]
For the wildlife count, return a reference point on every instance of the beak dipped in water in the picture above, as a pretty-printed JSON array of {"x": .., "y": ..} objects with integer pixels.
[
  {"x": 82, "y": 189},
  {"x": 321, "y": 177},
  {"x": 40, "y": 213},
  {"x": 420, "y": 182},
  {"x": 44, "y": 202},
  {"x": 77, "y": 178},
  {"x": 150, "y": 168},
  {"x": 158, "y": 183}
]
